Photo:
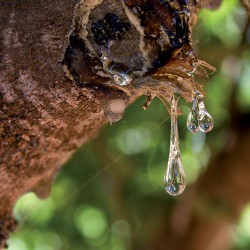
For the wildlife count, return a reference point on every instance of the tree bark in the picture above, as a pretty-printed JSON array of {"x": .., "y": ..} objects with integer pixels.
[
  {"x": 44, "y": 117},
  {"x": 45, "y": 113}
]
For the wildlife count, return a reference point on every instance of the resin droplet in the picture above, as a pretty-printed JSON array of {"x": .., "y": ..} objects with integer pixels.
[
  {"x": 198, "y": 118},
  {"x": 122, "y": 75},
  {"x": 192, "y": 120},
  {"x": 122, "y": 79},
  {"x": 114, "y": 109},
  {"x": 174, "y": 179},
  {"x": 205, "y": 120}
]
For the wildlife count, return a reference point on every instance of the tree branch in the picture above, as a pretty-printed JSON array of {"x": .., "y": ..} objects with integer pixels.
[{"x": 45, "y": 116}]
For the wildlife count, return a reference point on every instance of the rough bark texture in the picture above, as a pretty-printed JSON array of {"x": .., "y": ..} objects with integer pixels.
[{"x": 44, "y": 116}]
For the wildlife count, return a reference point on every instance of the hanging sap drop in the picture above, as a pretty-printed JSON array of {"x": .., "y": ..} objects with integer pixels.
[
  {"x": 205, "y": 120},
  {"x": 192, "y": 121},
  {"x": 174, "y": 179},
  {"x": 198, "y": 118}
]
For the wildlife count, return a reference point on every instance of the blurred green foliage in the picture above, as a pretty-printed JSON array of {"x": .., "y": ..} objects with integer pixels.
[{"x": 110, "y": 195}]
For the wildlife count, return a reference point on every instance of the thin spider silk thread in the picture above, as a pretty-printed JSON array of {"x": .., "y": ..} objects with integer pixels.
[{"x": 64, "y": 203}]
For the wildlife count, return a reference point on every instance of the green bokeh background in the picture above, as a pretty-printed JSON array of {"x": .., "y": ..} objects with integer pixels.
[{"x": 111, "y": 194}]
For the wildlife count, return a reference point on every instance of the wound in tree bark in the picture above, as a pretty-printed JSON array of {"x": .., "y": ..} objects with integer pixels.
[
  {"x": 126, "y": 42},
  {"x": 144, "y": 35},
  {"x": 174, "y": 179}
]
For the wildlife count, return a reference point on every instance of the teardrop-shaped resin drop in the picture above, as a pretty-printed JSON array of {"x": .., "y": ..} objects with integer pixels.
[
  {"x": 205, "y": 120},
  {"x": 174, "y": 179},
  {"x": 192, "y": 121}
]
